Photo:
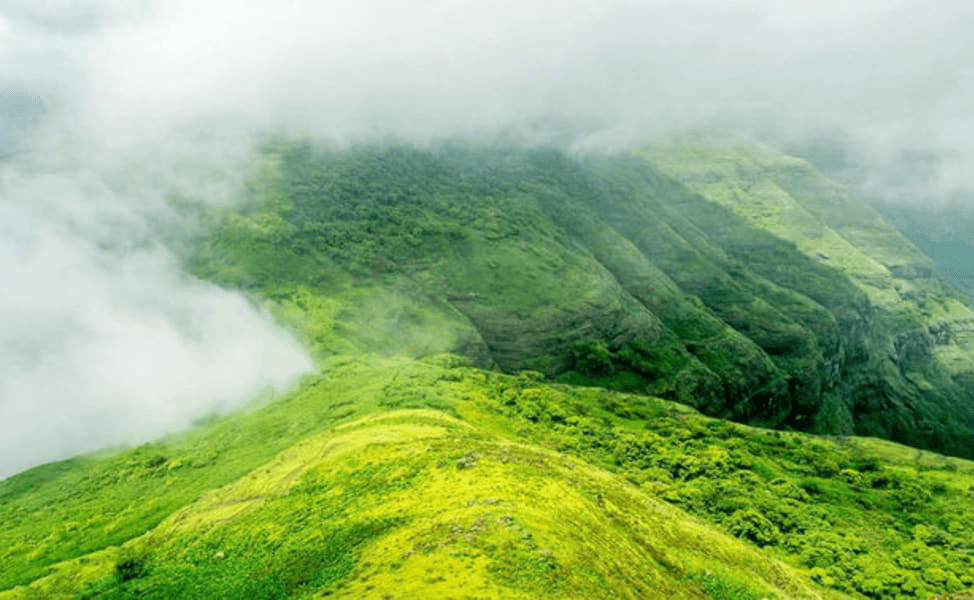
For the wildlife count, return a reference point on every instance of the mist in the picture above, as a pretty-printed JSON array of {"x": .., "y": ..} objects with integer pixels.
[
  {"x": 880, "y": 79},
  {"x": 110, "y": 110}
]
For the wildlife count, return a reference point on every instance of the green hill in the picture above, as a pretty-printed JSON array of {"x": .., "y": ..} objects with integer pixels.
[
  {"x": 716, "y": 273},
  {"x": 398, "y": 478},
  {"x": 943, "y": 231},
  {"x": 608, "y": 318}
]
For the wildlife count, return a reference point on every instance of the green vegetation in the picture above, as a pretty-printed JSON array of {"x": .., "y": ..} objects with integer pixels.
[
  {"x": 436, "y": 479},
  {"x": 944, "y": 231},
  {"x": 714, "y": 272},
  {"x": 540, "y": 376}
]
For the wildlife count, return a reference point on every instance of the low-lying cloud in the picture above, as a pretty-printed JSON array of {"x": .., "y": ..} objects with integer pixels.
[
  {"x": 894, "y": 77},
  {"x": 103, "y": 340},
  {"x": 109, "y": 108}
]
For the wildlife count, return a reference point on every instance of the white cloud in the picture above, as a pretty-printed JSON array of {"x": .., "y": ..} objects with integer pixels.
[
  {"x": 147, "y": 98},
  {"x": 103, "y": 340}
]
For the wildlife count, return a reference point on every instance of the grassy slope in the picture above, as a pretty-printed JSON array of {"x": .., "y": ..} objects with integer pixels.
[
  {"x": 913, "y": 366},
  {"x": 756, "y": 299},
  {"x": 726, "y": 276},
  {"x": 435, "y": 479},
  {"x": 944, "y": 233}
]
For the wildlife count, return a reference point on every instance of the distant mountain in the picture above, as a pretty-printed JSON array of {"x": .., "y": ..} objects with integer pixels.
[
  {"x": 515, "y": 346},
  {"x": 940, "y": 223},
  {"x": 944, "y": 231}
]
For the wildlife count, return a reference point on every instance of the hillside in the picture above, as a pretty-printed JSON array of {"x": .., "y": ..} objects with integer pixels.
[
  {"x": 717, "y": 273},
  {"x": 943, "y": 231},
  {"x": 390, "y": 476},
  {"x": 434, "y": 479},
  {"x": 545, "y": 375}
]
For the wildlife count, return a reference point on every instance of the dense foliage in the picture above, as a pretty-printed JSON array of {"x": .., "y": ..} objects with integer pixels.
[
  {"x": 382, "y": 488},
  {"x": 593, "y": 305},
  {"x": 861, "y": 516},
  {"x": 751, "y": 288}
]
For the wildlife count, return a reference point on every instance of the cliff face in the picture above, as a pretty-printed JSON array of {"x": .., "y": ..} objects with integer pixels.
[{"x": 717, "y": 273}]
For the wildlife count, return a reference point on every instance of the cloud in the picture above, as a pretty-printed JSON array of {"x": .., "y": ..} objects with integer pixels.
[
  {"x": 109, "y": 107},
  {"x": 103, "y": 340},
  {"x": 382, "y": 67},
  {"x": 121, "y": 352},
  {"x": 893, "y": 76},
  {"x": 349, "y": 70}
]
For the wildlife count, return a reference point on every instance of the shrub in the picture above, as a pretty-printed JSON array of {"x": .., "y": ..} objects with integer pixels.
[
  {"x": 909, "y": 497},
  {"x": 851, "y": 476},
  {"x": 826, "y": 549},
  {"x": 127, "y": 570},
  {"x": 813, "y": 487},
  {"x": 787, "y": 516},
  {"x": 630, "y": 451},
  {"x": 752, "y": 525},
  {"x": 786, "y": 489},
  {"x": 865, "y": 464},
  {"x": 592, "y": 358}
]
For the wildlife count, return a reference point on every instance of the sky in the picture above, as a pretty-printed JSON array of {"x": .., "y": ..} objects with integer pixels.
[{"x": 110, "y": 108}]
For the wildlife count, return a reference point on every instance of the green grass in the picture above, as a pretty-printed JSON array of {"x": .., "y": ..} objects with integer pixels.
[
  {"x": 122, "y": 496},
  {"x": 527, "y": 489},
  {"x": 383, "y": 504},
  {"x": 720, "y": 276}
]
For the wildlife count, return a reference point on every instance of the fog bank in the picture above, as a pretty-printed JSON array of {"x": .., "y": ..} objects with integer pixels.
[{"x": 112, "y": 112}]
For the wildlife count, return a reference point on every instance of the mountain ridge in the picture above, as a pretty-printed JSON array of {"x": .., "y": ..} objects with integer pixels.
[
  {"x": 517, "y": 256},
  {"x": 402, "y": 477},
  {"x": 597, "y": 309}
]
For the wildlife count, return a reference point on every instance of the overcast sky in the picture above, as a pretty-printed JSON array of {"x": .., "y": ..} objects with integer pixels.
[
  {"x": 891, "y": 74},
  {"x": 107, "y": 107}
]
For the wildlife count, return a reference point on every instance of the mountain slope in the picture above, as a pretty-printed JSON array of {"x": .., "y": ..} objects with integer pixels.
[
  {"x": 715, "y": 274},
  {"x": 722, "y": 275},
  {"x": 943, "y": 230},
  {"x": 436, "y": 479},
  {"x": 913, "y": 350}
]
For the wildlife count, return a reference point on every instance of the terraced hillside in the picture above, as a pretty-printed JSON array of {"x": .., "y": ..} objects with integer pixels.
[{"x": 716, "y": 273}]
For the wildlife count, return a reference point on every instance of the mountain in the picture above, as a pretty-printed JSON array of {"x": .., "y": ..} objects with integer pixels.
[
  {"x": 530, "y": 367},
  {"x": 943, "y": 231},
  {"x": 912, "y": 195},
  {"x": 714, "y": 272},
  {"x": 390, "y": 477}
]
